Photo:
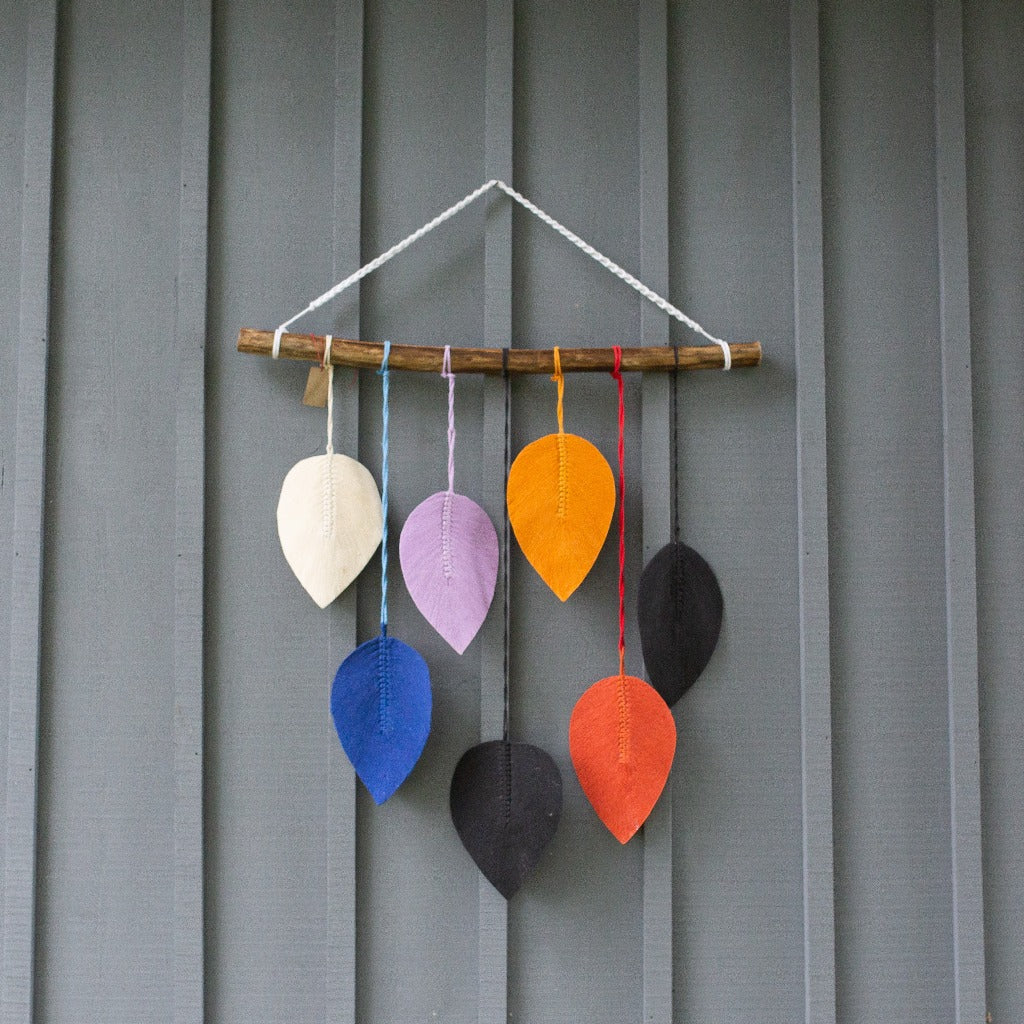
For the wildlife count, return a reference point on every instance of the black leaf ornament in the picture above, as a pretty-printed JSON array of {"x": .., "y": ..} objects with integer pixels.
[
  {"x": 679, "y": 611},
  {"x": 506, "y": 801}
]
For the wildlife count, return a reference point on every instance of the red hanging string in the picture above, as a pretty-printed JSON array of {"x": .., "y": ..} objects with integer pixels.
[{"x": 617, "y": 374}]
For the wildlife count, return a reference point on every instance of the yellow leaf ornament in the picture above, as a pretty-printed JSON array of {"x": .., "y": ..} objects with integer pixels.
[{"x": 561, "y": 497}]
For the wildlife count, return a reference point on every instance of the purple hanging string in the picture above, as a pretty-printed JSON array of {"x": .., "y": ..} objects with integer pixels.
[{"x": 446, "y": 372}]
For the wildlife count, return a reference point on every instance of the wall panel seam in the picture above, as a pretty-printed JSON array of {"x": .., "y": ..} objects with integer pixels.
[
  {"x": 341, "y": 953},
  {"x": 959, "y": 514},
  {"x": 189, "y": 520},
  {"x": 492, "y": 980},
  {"x": 654, "y": 330},
  {"x": 17, "y": 992},
  {"x": 812, "y": 519}
]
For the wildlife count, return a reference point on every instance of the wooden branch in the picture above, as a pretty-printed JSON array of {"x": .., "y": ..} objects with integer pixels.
[{"x": 367, "y": 355}]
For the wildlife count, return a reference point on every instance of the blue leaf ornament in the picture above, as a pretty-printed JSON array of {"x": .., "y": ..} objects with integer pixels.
[{"x": 381, "y": 703}]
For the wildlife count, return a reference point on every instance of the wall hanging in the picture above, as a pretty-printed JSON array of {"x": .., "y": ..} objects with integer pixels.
[{"x": 505, "y": 797}]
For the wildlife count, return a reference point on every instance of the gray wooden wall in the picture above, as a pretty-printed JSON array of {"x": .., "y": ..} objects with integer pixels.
[{"x": 843, "y": 836}]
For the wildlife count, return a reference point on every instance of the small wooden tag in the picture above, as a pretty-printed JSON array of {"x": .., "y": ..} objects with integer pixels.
[{"x": 316, "y": 388}]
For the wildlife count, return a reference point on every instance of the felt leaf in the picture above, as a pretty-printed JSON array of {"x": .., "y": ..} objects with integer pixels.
[
  {"x": 622, "y": 739},
  {"x": 329, "y": 521},
  {"x": 561, "y": 496},
  {"x": 449, "y": 555},
  {"x": 679, "y": 611},
  {"x": 506, "y": 800},
  {"x": 381, "y": 702}
]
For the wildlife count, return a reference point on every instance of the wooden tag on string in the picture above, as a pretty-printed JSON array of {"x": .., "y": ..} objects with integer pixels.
[{"x": 315, "y": 394}]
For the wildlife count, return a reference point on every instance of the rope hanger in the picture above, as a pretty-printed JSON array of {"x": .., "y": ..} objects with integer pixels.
[{"x": 430, "y": 358}]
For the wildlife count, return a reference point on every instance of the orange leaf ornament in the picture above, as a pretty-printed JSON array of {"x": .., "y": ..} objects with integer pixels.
[
  {"x": 561, "y": 497},
  {"x": 622, "y": 739}
]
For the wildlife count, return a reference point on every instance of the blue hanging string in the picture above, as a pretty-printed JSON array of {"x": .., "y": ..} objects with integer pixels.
[{"x": 385, "y": 374}]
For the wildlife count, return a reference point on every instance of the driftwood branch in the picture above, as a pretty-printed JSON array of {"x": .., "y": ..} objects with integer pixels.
[{"x": 427, "y": 358}]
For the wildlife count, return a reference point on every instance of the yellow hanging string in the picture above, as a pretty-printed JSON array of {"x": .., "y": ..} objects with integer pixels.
[
  {"x": 559, "y": 379},
  {"x": 563, "y": 475}
]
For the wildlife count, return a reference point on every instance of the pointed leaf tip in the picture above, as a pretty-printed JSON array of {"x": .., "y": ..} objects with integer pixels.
[
  {"x": 449, "y": 555},
  {"x": 381, "y": 704}
]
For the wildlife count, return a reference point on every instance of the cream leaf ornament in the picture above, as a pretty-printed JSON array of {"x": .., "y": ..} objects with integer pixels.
[{"x": 329, "y": 520}]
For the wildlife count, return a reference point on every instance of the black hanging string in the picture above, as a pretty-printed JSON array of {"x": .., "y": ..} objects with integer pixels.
[
  {"x": 674, "y": 448},
  {"x": 506, "y": 542}
]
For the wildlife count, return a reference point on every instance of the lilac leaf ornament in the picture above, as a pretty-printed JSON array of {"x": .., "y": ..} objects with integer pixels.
[
  {"x": 449, "y": 552},
  {"x": 449, "y": 555}
]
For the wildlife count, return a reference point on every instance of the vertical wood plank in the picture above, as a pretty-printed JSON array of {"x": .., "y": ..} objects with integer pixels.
[
  {"x": 812, "y": 520},
  {"x": 13, "y": 17},
  {"x": 993, "y": 33},
  {"x": 578, "y": 159},
  {"x": 888, "y": 629},
  {"x": 958, "y": 495},
  {"x": 654, "y": 330},
  {"x": 340, "y": 1005},
  {"x": 189, "y": 521},
  {"x": 493, "y": 934},
  {"x": 272, "y": 898},
  {"x": 16, "y": 995},
  {"x": 739, "y": 790},
  {"x": 423, "y": 139}
]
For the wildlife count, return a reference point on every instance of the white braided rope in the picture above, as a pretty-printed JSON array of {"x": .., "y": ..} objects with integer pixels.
[
  {"x": 623, "y": 275},
  {"x": 383, "y": 258}
]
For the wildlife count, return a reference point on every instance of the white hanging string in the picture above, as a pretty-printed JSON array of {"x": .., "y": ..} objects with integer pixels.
[
  {"x": 327, "y": 496},
  {"x": 330, "y": 393},
  {"x": 624, "y": 275}
]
